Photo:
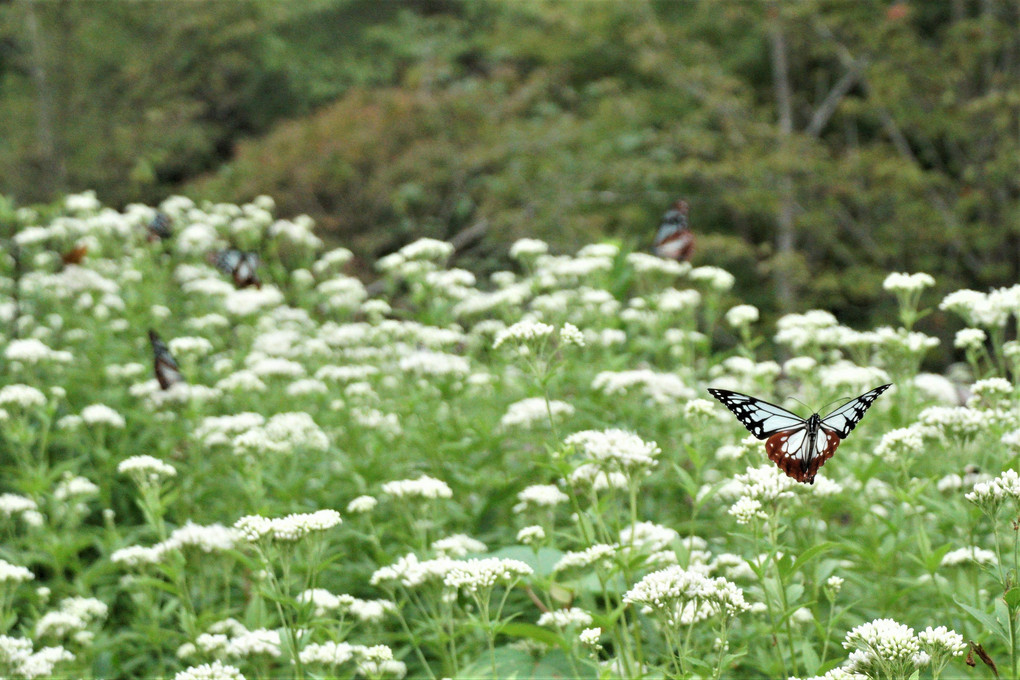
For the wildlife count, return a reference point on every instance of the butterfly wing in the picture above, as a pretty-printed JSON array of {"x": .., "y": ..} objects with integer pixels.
[
  {"x": 168, "y": 373},
  {"x": 845, "y": 418},
  {"x": 793, "y": 452},
  {"x": 245, "y": 272},
  {"x": 159, "y": 227},
  {"x": 761, "y": 418}
]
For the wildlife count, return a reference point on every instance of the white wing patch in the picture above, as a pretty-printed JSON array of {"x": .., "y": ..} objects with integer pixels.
[
  {"x": 845, "y": 418},
  {"x": 761, "y": 418}
]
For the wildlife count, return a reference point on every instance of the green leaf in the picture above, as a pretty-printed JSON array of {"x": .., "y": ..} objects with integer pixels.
[
  {"x": 811, "y": 553},
  {"x": 987, "y": 620},
  {"x": 532, "y": 632},
  {"x": 1012, "y": 597},
  {"x": 516, "y": 663}
]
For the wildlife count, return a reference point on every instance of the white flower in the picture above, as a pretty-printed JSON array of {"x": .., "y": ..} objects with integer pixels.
[
  {"x": 834, "y": 584},
  {"x": 942, "y": 638},
  {"x": 682, "y": 596},
  {"x": 970, "y": 338},
  {"x": 615, "y": 448},
  {"x": 901, "y": 442},
  {"x": 531, "y": 535},
  {"x": 907, "y": 283},
  {"x": 361, "y": 505},
  {"x": 411, "y": 572},
  {"x": 658, "y": 388},
  {"x": 479, "y": 574},
  {"x": 287, "y": 529},
  {"x": 523, "y": 332},
  {"x": 101, "y": 414},
  {"x": 991, "y": 494},
  {"x": 429, "y": 363},
  {"x": 458, "y": 545},
  {"x": 12, "y": 573},
  {"x": 969, "y": 555},
  {"x": 885, "y": 644},
  {"x": 24, "y": 396},
  {"x": 742, "y": 315},
  {"x": 527, "y": 412},
  {"x": 578, "y": 559},
  {"x": 13, "y": 504},
  {"x": 72, "y": 487},
  {"x": 146, "y": 467},
  {"x": 216, "y": 670},
  {"x": 528, "y": 248},
  {"x": 590, "y": 636},
  {"x": 565, "y": 618},
  {"x": 328, "y": 653},
  {"x": 571, "y": 335},
  {"x": 540, "y": 495},
  {"x": 423, "y": 487},
  {"x": 747, "y": 510},
  {"x": 719, "y": 279},
  {"x": 33, "y": 351},
  {"x": 190, "y": 346}
]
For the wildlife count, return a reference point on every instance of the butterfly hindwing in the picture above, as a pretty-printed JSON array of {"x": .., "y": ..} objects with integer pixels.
[
  {"x": 845, "y": 418},
  {"x": 761, "y": 418},
  {"x": 792, "y": 452}
]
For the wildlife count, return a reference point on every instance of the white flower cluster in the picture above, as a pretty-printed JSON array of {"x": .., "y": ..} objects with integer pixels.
[
  {"x": 579, "y": 559},
  {"x": 366, "y": 611},
  {"x": 680, "y": 596},
  {"x": 206, "y": 539},
  {"x": 12, "y": 504},
  {"x": 902, "y": 442},
  {"x": 217, "y": 670},
  {"x": 458, "y": 545},
  {"x": 971, "y": 555},
  {"x": 885, "y": 648},
  {"x": 362, "y": 504},
  {"x": 742, "y": 315},
  {"x": 527, "y": 412},
  {"x": 523, "y": 333},
  {"x": 282, "y": 433},
  {"x": 970, "y": 338},
  {"x": 482, "y": 574},
  {"x": 101, "y": 414},
  {"x": 540, "y": 496},
  {"x": 716, "y": 278},
  {"x": 411, "y": 572},
  {"x": 73, "y": 616},
  {"x": 528, "y": 248},
  {"x": 146, "y": 468},
  {"x": 575, "y": 617},
  {"x": 424, "y": 487},
  {"x": 954, "y": 422},
  {"x": 987, "y": 310},
  {"x": 12, "y": 573},
  {"x": 429, "y": 363},
  {"x": 658, "y": 388},
  {"x": 24, "y": 396},
  {"x": 908, "y": 283},
  {"x": 372, "y": 662},
  {"x": 287, "y": 529},
  {"x": 16, "y": 654},
  {"x": 990, "y": 495},
  {"x": 614, "y": 449},
  {"x": 34, "y": 351}
]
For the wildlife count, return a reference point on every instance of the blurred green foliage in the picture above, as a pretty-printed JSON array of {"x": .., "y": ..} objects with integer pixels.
[{"x": 568, "y": 121}]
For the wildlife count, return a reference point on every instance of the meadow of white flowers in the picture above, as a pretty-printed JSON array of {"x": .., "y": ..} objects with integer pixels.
[{"x": 517, "y": 477}]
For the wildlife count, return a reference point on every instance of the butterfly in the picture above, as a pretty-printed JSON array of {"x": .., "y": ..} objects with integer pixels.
[
  {"x": 675, "y": 240},
  {"x": 239, "y": 264},
  {"x": 159, "y": 227},
  {"x": 75, "y": 255},
  {"x": 798, "y": 446},
  {"x": 168, "y": 373}
]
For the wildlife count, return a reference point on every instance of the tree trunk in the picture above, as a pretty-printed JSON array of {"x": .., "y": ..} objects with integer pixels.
[
  {"x": 52, "y": 176},
  {"x": 785, "y": 236}
]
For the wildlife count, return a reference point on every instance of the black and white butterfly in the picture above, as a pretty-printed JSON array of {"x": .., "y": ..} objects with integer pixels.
[
  {"x": 168, "y": 373},
  {"x": 159, "y": 227},
  {"x": 798, "y": 446},
  {"x": 239, "y": 264}
]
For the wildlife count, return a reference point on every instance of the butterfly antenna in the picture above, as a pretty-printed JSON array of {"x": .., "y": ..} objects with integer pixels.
[
  {"x": 842, "y": 399},
  {"x": 800, "y": 402}
]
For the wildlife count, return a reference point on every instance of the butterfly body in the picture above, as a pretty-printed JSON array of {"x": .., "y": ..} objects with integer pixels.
[
  {"x": 241, "y": 265},
  {"x": 159, "y": 228},
  {"x": 798, "y": 446}
]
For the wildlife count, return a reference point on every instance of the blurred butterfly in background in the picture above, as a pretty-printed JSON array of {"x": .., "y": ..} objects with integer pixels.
[
  {"x": 75, "y": 255},
  {"x": 239, "y": 264},
  {"x": 675, "y": 240},
  {"x": 798, "y": 446},
  {"x": 168, "y": 373},
  {"x": 159, "y": 228}
]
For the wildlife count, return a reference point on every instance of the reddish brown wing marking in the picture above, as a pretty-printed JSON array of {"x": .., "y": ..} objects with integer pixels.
[
  {"x": 793, "y": 465},
  {"x": 775, "y": 446},
  {"x": 75, "y": 255}
]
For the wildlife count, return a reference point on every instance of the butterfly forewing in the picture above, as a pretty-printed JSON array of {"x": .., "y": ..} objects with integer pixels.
[
  {"x": 761, "y": 418},
  {"x": 845, "y": 418},
  {"x": 168, "y": 373}
]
